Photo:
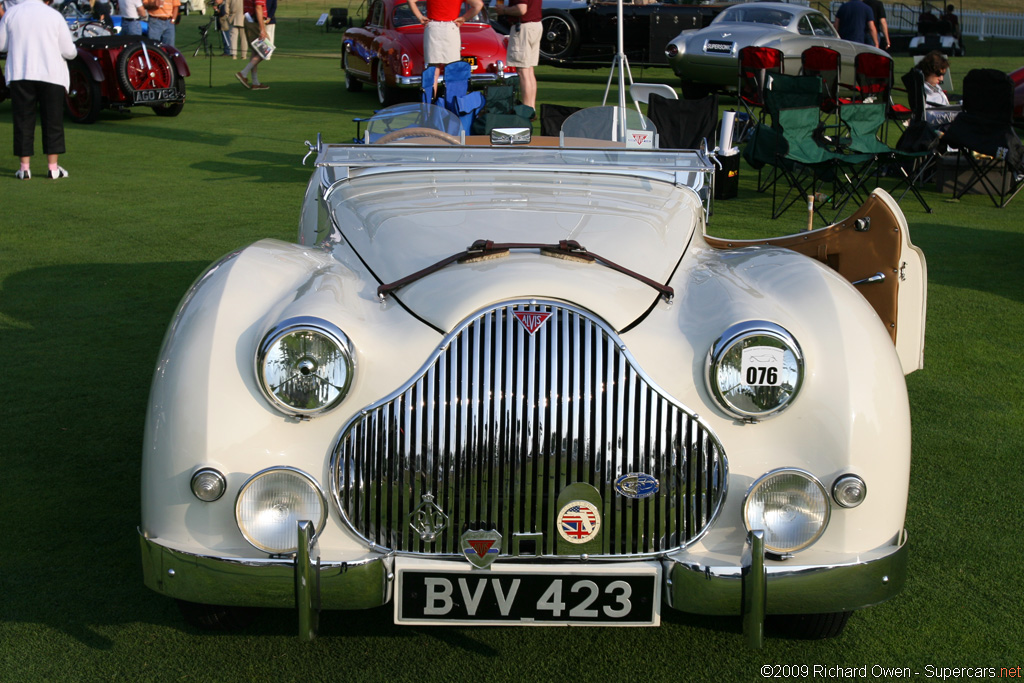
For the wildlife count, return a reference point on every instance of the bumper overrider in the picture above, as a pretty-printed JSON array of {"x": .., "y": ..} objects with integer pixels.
[{"x": 749, "y": 587}]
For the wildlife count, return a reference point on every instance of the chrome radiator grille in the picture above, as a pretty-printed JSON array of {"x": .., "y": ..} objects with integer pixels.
[{"x": 501, "y": 420}]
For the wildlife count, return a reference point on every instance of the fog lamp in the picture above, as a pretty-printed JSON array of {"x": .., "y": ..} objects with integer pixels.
[
  {"x": 790, "y": 506},
  {"x": 271, "y": 504}
]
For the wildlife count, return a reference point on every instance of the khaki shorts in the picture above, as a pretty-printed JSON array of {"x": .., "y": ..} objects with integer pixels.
[
  {"x": 442, "y": 42},
  {"x": 524, "y": 44}
]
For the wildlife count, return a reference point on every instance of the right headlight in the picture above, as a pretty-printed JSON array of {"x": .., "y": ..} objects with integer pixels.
[
  {"x": 305, "y": 366},
  {"x": 790, "y": 506},
  {"x": 754, "y": 370}
]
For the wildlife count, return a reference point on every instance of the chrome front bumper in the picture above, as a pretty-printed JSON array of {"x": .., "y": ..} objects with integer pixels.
[
  {"x": 754, "y": 590},
  {"x": 750, "y": 589},
  {"x": 476, "y": 79}
]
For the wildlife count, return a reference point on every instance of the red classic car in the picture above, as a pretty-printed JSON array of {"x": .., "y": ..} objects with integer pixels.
[
  {"x": 117, "y": 72},
  {"x": 387, "y": 49}
]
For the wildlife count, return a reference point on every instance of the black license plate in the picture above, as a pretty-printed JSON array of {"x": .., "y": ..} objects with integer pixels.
[
  {"x": 470, "y": 60},
  {"x": 535, "y": 598},
  {"x": 718, "y": 48},
  {"x": 155, "y": 95}
]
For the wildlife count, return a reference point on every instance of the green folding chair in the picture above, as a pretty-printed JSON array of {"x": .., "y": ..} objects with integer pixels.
[
  {"x": 862, "y": 123},
  {"x": 791, "y": 148}
]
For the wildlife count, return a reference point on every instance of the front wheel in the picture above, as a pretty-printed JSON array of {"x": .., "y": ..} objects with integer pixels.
[
  {"x": 352, "y": 84},
  {"x": 83, "y": 100},
  {"x": 809, "y": 626},
  {"x": 560, "y": 37}
]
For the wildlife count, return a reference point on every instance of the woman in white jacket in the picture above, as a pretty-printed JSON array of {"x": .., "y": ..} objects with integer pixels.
[{"x": 38, "y": 43}]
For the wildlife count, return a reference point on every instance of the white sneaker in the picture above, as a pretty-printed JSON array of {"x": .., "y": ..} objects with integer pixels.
[
  {"x": 58, "y": 173},
  {"x": 23, "y": 175}
]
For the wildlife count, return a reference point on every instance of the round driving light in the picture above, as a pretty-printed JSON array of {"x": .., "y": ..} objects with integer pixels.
[
  {"x": 790, "y": 506},
  {"x": 208, "y": 484},
  {"x": 849, "y": 491},
  {"x": 271, "y": 504},
  {"x": 305, "y": 366},
  {"x": 754, "y": 370}
]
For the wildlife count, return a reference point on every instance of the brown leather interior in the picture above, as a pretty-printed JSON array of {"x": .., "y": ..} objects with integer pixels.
[{"x": 854, "y": 254}]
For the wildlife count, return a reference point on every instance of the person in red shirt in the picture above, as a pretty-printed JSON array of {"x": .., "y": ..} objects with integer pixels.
[
  {"x": 524, "y": 43},
  {"x": 442, "y": 41},
  {"x": 255, "y": 27}
]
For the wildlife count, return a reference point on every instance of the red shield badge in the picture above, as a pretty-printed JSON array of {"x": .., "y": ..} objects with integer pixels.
[
  {"x": 481, "y": 548},
  {"x": 532, "y": 320}
]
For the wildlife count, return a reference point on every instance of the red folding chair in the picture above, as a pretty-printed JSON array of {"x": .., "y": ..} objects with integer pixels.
[
  {"x": 756, "y": 65},
  {"x": 823, "y": 62},
  {"x": 873, "y": 80}
]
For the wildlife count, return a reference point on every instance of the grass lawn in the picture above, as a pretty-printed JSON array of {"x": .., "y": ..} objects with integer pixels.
[{"x": 92, "y": 267}]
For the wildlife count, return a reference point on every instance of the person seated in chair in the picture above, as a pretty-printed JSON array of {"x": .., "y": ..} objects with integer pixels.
[{"x": 934, "y": 66}]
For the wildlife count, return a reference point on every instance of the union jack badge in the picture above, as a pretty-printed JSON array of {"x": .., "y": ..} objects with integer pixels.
[
  {"x": 481, "y": 548},
  {"x": 579, "y": 521},
  {"x": 532, "y": 320}
]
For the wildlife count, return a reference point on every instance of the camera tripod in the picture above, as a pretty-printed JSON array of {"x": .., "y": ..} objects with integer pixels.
[{"x": 205, "y": 47}]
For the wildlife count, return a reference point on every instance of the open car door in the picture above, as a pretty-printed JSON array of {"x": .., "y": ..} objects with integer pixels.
[{"x": 872, "y": 250}]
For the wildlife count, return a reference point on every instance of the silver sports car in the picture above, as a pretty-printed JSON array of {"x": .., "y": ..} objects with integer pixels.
[{"x": 707, "y": 58}]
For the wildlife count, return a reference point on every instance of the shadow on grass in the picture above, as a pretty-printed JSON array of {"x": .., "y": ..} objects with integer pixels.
[
  {"x": 259, "y": 167},
  {"x": 86, "y": 338},
  {"x": 139, "y": 123}
]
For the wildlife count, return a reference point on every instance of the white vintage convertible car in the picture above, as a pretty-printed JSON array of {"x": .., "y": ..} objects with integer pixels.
[{"x": 520, "y": 384}]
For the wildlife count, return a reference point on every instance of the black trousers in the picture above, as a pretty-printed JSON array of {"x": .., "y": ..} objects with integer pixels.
[{"x": 26, "y": 98}]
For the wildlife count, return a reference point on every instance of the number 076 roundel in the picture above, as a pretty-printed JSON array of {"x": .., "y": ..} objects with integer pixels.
[{"x": 578, "y": 521}]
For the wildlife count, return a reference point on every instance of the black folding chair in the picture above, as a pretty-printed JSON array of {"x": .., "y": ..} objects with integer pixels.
[
  {"x": 984, "y": 137},
  {"x": 683, "y": 124}
]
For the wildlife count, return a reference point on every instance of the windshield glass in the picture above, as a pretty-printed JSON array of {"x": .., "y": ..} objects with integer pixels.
[
  {"x": 755, "y": 15},
  {"x": 404, "y": 17}
]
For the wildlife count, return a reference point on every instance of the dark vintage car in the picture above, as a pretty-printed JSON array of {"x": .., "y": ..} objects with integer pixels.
[
  {"x": 118, "y": 72},
  {"x": 585, "y": 31},
  {"x": 387, "y": 50}
]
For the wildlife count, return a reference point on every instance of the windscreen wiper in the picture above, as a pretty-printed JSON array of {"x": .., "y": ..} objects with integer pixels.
[{"x": 482, "y": 250}]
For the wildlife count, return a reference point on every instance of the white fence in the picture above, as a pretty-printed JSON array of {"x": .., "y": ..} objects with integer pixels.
[{"x": 990, "y": 25}]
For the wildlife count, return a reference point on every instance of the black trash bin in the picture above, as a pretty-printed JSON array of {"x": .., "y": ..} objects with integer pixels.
[{"x": 727, "y": 178}]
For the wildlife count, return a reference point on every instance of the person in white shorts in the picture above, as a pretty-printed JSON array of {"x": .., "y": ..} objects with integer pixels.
[
  {"x": 442, "y": 41},
  {"x": 524, "y": 43}
]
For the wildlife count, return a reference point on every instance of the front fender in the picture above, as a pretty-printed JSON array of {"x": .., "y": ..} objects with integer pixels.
[
  {"x": 180, "y": 65},
  {"x": 90, "y": 62}
]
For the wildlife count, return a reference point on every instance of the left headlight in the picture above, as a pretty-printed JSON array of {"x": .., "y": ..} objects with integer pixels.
[
  {"x": 754, "y": 370},
  {"x": 305, "y": 366},
  {"x": 271, "y": 504},
  {"x": 791, "y": 506}
]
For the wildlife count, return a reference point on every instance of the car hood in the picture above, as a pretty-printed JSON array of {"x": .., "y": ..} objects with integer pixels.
[{"x": 400, "y": 226}]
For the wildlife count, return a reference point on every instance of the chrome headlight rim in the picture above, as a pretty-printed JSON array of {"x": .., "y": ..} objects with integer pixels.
[
  {"x": 823, "y": 492},
  {"x": 297, "y": 324},
  {"x": 725, "y": 343},
  {"x": 313, "y": 484}
]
